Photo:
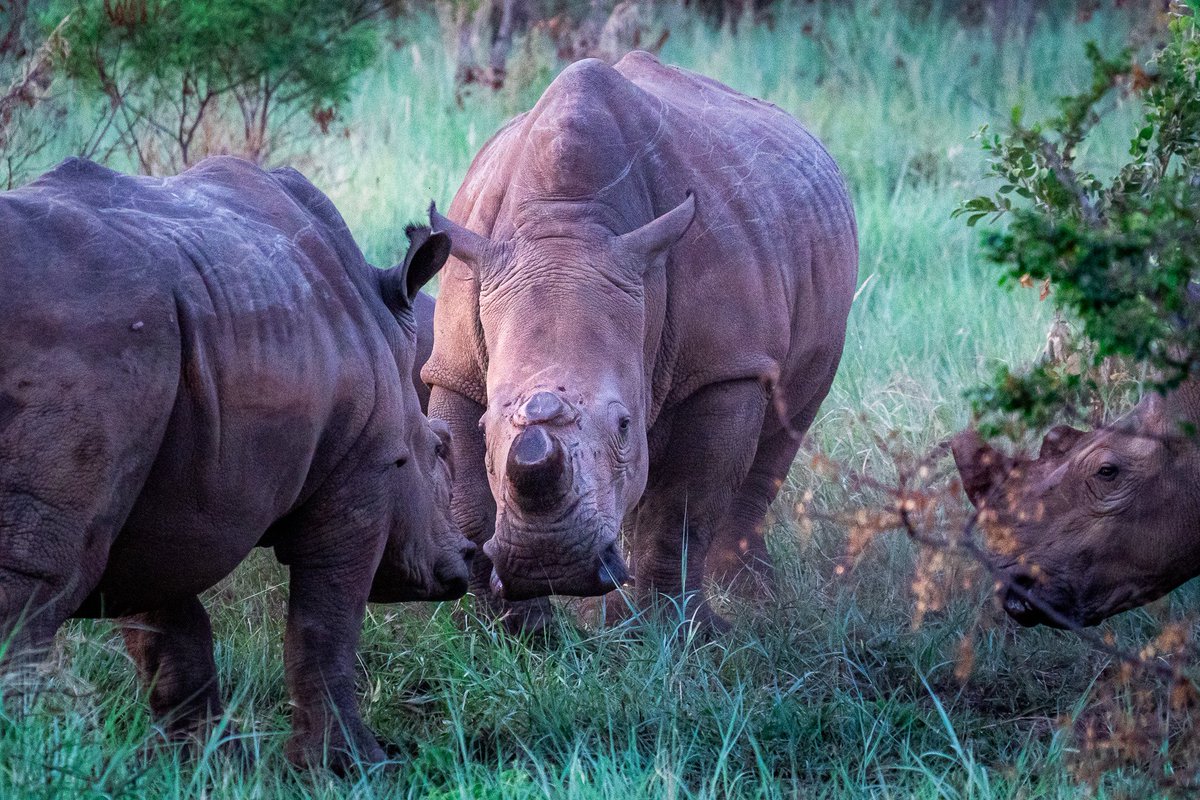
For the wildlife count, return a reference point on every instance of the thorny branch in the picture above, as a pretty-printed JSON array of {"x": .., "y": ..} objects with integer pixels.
[{"x": 1147, "y": 724}]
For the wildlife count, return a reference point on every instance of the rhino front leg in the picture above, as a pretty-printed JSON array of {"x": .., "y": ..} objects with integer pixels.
[
  {"x": 712, "y": 441},
  {"x": 332, "y": 550},
  {"x": 325, "y": 612},
  {"x": 173, "y": 649},
  {"x": 474, "y": 510},
  {"x": 738, "y": 558}
]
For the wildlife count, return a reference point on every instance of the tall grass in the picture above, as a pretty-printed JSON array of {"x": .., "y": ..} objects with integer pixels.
[{"x": 827, "y": 690}]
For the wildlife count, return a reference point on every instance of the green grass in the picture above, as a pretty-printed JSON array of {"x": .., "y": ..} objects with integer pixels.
[{"x": 827, "y": 689}]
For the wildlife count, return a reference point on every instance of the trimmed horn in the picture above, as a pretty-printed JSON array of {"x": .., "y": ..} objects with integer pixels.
[{"x": 538, "y": 469}]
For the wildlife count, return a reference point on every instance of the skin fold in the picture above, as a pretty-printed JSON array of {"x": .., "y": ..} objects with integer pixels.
[
  {"x": 646, "y": 305},
  {"x": 1101, "y": 521},
  {"x": 194, "y": 366}
]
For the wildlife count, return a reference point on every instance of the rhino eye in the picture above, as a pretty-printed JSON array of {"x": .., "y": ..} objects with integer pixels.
[
  {"x": 400, "y": 462},
  {"x": 1107, "y": 472},
  {"x": 623, "y": 431}
]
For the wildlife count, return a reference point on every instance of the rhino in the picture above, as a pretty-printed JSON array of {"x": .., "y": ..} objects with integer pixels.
[
  {"x": 194, "y": 366},
  {"x": 645, "y": 306},
  {"x": 1101, "y": 521}
]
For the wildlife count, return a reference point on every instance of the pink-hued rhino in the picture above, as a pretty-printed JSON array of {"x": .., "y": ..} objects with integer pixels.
[
  {"x": 1101, "y": 521},
  {"x": 646, "y": 306},
  {"x": 194, "y": 366}
]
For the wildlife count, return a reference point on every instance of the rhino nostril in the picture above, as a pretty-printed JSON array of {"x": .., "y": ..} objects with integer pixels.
[
  {"x": 468, "y": 551},
  {"x": 1022, "y": 579}
]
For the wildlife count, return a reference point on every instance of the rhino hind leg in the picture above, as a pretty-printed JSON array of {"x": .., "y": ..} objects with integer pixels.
[
  {"x": 690, "y": 494},
  {"x": 76, "y": 445},
  {"x": 173, "y": 649},
  {"x": 55, "y": 535},
  {"x": 34, "y": 602}
]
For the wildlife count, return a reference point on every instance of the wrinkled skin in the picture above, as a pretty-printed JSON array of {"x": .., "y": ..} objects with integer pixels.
[
  {"x": 646, "y": 305},
  {"x": 423, "y": 307},
  {"x": 1100, "y": 522},
  {"x": 192, "y": 367}
]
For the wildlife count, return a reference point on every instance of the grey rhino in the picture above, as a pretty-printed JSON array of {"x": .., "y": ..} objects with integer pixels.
[
  {"x": 1101, "y": 521},
  {"x": 194, "y": 366},
  {"x": 646, "y": 305}
]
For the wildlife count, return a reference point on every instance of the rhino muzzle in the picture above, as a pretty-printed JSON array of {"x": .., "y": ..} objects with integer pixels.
[
  {"x": 538, "y": 470},
  {"x": 607, "y": 573}
]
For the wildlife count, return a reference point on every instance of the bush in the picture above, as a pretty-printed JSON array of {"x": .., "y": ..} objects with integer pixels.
[
  {"x": 188, "y": 78},
  {"x": 1120, "y": 253}
]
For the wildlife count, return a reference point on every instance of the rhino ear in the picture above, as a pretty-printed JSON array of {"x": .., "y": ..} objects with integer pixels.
[
  {"x": 1059, "y": 440},
  {"x": 427, "y": 252},
  {"x": 982, "y": 467},
  {"x": 652, "y": 239},
  {"x": 1149, "y": 416},
  {"x": 467, "y": 246}
]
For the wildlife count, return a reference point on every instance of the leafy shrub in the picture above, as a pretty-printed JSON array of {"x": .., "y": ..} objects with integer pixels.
[
  {"x": 1121, "y": 252},
  {"x": 187, "y": 78}
]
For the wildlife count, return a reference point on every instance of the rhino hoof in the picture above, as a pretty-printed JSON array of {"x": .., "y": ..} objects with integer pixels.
[{"x": 334, "y": 753}]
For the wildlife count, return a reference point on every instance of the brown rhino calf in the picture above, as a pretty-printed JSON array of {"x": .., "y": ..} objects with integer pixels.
[
  {"x": 192, "y": 367},
  {"x": 646, "y": 305},
  {"x": 1100, "y": 522}
]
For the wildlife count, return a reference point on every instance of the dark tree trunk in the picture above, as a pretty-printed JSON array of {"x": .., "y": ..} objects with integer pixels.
[
  {"x": 501, "y": 41},
  {"x": 464, "y": 57},
  {"x": 12, "y": 46}
]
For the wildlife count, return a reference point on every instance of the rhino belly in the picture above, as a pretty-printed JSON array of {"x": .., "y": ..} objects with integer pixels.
[{"x": 149, "y": 568}]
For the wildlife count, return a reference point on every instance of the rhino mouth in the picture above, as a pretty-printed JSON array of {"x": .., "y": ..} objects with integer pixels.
[
  {"x": 1030, "y": 602},
  {"x": 526, "y": 565},
  {"x": 1023, "y": 612},
  {"x": 607, "y": 574},
  {"x": 570, "y": 548}
]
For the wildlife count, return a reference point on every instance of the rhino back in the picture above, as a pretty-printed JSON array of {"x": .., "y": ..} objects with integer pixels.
[
  {"x": 279, "y": 354},
  {"x": 762, "y": 283}
]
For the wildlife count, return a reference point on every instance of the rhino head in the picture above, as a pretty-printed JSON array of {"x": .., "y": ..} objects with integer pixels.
[
  {"x": 562, "y": 306},
  {"x": 426, "y": 556},
  {"x": 1100, "y": 522}
]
